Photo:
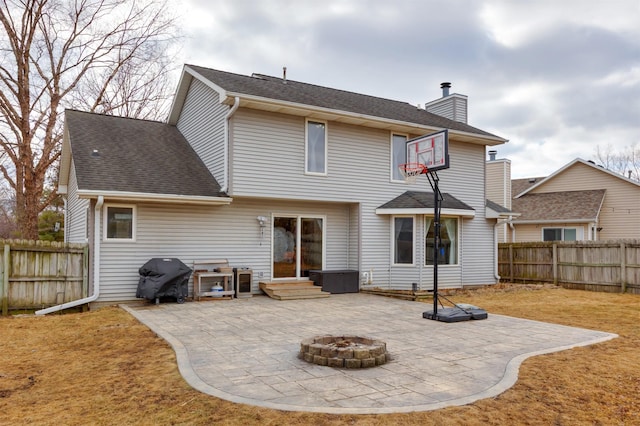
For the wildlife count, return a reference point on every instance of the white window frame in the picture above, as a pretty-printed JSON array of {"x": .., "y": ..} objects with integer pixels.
[
  {"x": 134, "y": 220},
  {"x": 458, "y": 239},
  {"x": 299, "y": 218},
  {"x": 394, "y": 166},
  {"x": 306, "y": 147},
  {"x": 393, "y": 241},
  {"x": 579, "y": 232}
]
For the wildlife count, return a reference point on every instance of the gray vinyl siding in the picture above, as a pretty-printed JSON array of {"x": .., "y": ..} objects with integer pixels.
[
  {"x": 201, "y": 233},
  {"x": 267, "y": 154},
  {"x": 477, "y": 239},
  {"x": 202, "y": 124},
  {"x": 452, "y": 107},
  {"x": 76, "y": 220},
  {"x": 357, "y": 170}
]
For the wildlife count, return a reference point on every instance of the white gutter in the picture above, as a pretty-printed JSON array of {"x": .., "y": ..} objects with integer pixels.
[
  {"x": 96, "y": 268},
  {"x": 234, "y": 108},
  {"x": 160, "y": 198},
  {"x": 554, "y": 221},
  {"x": 428, "y": 211},
  {"x": 335, "y": 115}
]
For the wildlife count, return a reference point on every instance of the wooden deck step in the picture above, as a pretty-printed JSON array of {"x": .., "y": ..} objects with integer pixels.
[{"x": 290, "y": 290}]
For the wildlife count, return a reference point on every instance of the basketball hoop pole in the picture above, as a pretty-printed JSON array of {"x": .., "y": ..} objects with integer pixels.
[{"x": 437, "y": 198}]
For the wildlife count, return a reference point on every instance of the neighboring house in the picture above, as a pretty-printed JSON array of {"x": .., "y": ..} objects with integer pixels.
[
  {"x": 278, "y": 176},
  {"x": 580, "y": 201}
]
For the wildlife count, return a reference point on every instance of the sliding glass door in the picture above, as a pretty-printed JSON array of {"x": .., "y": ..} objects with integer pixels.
[{"x": 297, "y": 245}]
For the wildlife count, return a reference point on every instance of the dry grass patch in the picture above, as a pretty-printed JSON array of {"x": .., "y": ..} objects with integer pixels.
[{"x": 104, "y": 367}]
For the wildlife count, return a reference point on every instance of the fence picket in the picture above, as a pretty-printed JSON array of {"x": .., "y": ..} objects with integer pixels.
[
  {"x": 39, "y": 274},
  {"x": 611, "y": 266}
]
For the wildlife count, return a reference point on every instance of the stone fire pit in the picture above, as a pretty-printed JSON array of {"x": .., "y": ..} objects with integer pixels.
[{"x": 344, "y": 351}]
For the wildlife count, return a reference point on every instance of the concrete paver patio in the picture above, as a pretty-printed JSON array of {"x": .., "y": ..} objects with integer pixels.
[{"x": 245, "y": 351}]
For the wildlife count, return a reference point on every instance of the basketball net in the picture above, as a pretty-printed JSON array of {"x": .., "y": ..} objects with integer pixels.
[{"x": 410, "y": 171}]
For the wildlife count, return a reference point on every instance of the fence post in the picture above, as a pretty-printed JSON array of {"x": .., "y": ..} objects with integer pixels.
[
  {"x": 85, "y": 271},
  {"x": 6, "y": 270},
  {"x": 510, "y": 263},
  {"x": 554, "y": 256},
  {"x": 623, "y": 267}
]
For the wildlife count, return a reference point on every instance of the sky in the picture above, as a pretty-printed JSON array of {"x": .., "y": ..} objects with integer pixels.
[{"x": 560, "y": 79}]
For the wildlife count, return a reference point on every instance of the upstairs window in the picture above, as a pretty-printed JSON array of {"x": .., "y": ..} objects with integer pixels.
[
  {"x": 316, "y": 148},
  {"x": 398, "y": 155}
]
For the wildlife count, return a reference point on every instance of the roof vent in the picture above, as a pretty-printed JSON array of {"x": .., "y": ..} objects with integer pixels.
[
  {"x": 284, "y": 75},
  {"x": 492, "y": 155},
  {"x": 95, "y": 153},
  {"x": 445, "y": 88},
  {"x": 532, "y": 180}
]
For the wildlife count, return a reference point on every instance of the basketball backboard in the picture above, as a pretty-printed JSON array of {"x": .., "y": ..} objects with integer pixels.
[{"x": 431, "y": 150}]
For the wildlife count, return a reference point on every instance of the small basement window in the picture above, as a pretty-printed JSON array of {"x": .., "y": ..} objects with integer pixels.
[{"x": 119, "y": 222}]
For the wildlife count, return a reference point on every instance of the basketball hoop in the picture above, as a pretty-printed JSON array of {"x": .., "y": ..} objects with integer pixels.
[{"x": 410, "y": 171}]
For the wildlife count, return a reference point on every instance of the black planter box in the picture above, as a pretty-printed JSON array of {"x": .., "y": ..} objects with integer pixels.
[{"x": 339, "y": 281}]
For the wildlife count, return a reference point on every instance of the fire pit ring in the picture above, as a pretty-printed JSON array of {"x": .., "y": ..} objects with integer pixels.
[{"x": 344, "y": 351}]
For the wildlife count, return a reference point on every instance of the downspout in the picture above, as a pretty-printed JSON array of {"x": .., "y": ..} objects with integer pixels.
[
  {"x": 495, "y": 244},
  {"x": 495, "y": 250},
  {"x": 234, "y": 108},
  {"x": 96, "y": 268},
  {"x": 66, "y": 215},
  {"x": 513, "y": 230}
]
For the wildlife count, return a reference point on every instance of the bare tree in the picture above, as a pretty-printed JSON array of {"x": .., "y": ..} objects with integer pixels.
[
  {"x": 106, "y": 56},
  {"x": 625, "y": 162}
]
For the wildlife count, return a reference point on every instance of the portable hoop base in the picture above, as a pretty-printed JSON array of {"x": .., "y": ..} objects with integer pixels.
[{"x": 456, "y": 314}]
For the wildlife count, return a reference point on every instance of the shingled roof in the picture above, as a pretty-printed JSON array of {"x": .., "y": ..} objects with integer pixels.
[
  {"x": 268, "y": 87},
  {"x": 417, "y": 200},
  {"x": 561, "y": 206},
  {"x": 518, "y": 186},
  {"x": 136, "y": 156}
]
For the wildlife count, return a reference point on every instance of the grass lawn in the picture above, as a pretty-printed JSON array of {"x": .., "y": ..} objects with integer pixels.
[{"x": 103, "y": 367}]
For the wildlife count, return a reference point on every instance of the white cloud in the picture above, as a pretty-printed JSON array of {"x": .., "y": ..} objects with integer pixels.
[
  {"x": 516, "y": 23},
  {"x": 549, "y": 75}
]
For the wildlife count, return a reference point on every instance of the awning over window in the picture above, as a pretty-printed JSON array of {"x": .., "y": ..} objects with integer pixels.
[{"x": 415, "y": 202}]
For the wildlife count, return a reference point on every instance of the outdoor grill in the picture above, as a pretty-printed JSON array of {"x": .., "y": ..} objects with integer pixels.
[{"x": 163, "y": 278}]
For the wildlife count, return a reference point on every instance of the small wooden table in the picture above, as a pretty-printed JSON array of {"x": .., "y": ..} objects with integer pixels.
[{"x": 211, "y": 270}]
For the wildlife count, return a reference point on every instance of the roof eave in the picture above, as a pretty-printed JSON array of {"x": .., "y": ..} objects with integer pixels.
[
  {"x": 329, "y": 114},
  {"x": 493, "y": 214},
  {"x": 157, "y": 198},
  {"x": 534, "y": 221},
  {"x": 65, "y": 161},
  {"x": 188, "y": 74},
  {"x": 427, "y": 211}
]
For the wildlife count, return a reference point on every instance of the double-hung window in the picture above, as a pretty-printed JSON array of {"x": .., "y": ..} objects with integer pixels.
[
  {"x": 119, "y": 222},
  {"x": 316, "y": 147},
  {"x": 398, "y": 155},
  {"x": 403, "y": 236}
]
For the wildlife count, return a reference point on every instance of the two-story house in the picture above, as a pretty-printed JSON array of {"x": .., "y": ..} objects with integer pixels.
[{"x": 279, "y": 176}]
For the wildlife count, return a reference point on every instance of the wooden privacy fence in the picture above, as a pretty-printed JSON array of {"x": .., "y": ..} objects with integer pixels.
[
  {"x": 38, "y": 274},
  {"x": 609, "y": 266}
]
